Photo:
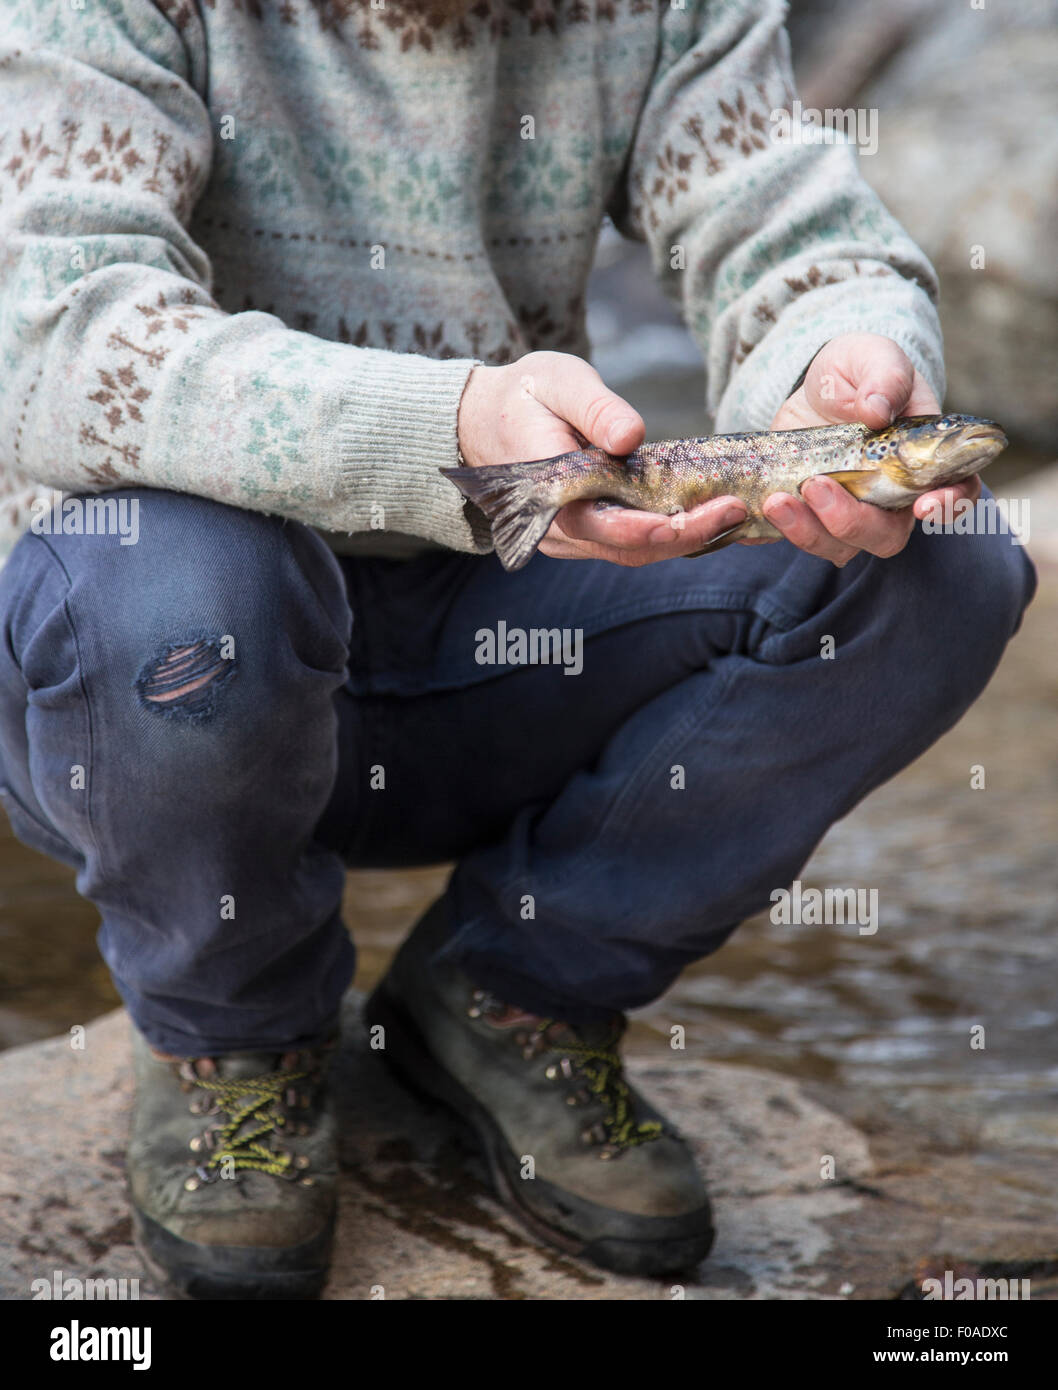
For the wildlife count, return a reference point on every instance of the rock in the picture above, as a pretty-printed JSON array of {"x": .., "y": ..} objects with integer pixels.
[
  {"x": 987, "y": 221},
  {"x": 967, "y": 121},
  {"x": 415, "y": 1215}
]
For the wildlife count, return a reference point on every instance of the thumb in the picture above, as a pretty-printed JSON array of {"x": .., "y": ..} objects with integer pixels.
[
  {"x": 861, "y": 376},
  {"x": 574, "y": 390},
  {"x": 883, "y": 376}
]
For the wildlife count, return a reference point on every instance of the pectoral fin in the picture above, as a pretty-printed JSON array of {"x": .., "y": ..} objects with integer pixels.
[
  {"x": 858, "y": 481},
  {"x": 718, "y": 542}
]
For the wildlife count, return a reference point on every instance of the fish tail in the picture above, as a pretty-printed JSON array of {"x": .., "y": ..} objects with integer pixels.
[{"x": 511, "y": 497}]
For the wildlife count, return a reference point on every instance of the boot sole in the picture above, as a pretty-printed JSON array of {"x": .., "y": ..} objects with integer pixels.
[
  {"x": 189, "y": 1271},
  {"x": 640, "y": 1245}
]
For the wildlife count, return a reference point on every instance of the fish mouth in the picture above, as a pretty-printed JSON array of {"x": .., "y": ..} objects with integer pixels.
[
  {"x": 936, "y": 456},
  {"x": 980, "y": 441}
]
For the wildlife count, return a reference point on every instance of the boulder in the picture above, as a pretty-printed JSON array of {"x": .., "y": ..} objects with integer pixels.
[
  {"x": 967, "y": 120},
  {"x": 416, "y": 1218}
]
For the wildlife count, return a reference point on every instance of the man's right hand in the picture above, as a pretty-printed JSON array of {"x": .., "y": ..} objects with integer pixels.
[{"x": 549, "y": 403}]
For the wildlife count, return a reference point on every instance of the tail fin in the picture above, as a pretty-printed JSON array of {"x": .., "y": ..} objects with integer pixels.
[{"x": 510, "y": 496}]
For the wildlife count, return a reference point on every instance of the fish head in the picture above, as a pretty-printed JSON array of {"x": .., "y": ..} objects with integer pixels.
[{"x": 927, "y": 451}]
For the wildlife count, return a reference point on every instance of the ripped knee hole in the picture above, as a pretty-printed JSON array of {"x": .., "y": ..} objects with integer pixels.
[{"x": 183, "y": 681}]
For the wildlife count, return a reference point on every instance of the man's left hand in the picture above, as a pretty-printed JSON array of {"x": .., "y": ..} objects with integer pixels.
[{"x": 865, "y": 377}]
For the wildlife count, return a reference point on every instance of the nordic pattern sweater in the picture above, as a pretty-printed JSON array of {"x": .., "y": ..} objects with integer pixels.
[{"x": 252, "y": 250}]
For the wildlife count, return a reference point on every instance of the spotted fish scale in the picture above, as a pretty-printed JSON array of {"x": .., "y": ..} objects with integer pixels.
[{"x": 888, "y": 468}]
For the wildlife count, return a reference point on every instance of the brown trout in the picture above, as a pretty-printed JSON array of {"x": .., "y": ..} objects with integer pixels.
[{"x": 888, "y": 468}]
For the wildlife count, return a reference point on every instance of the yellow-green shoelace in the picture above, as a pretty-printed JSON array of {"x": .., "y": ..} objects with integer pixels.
[
  {"x": 603, "y": 1071},
  {"x": 245, "y": 1100}
]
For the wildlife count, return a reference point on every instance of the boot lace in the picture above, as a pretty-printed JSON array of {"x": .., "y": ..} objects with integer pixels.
[
  {"x": 600, "y": 1068},
  {"x": 603, "y": 1070},
  {"x": 253, "y": 1111}
]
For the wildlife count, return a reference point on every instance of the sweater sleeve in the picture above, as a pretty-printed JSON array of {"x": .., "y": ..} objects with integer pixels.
[
  {"x": 119, "y": 367},
  {"x": 768, "y": 239}
]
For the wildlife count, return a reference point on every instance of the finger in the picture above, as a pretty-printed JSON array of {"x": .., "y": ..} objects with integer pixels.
[
  {"x": 799, "y": 524},
  {"x": 860, "y": 376},
  {"x": 858, "y": 524},
  {"x": 942, "y": 500},
  {"x": 922, "y": 400},
  {"x": 574, "y": 390},
  {"x": 795, "y": 413},
  {"x": 634, "y": 537},
  {"x": 884, "y": 381}
]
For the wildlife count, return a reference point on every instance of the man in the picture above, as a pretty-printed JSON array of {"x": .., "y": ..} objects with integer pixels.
[{"x": 267, "y": 269}]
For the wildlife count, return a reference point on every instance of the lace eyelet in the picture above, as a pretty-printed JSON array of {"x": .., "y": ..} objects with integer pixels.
[
  {"x": 202, "y": 1177},
  {"x": 206, "y": 1140}
]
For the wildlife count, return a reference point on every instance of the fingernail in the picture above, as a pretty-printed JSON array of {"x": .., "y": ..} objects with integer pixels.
[
  {"x": 819, "y": 493},
  {"x": 732, "y": 516},
  {"x": 615, "y": 434},
  {"x": 881, "y": 406},
  {"x": 782, "y": 509}
]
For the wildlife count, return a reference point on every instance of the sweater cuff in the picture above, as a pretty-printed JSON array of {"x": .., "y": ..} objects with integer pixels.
[
  {"x": 902, "y": 312},
  {"x": 396, "y": 428}
]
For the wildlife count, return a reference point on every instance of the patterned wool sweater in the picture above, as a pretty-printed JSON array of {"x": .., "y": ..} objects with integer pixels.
[{"x": 252, "y": 250}]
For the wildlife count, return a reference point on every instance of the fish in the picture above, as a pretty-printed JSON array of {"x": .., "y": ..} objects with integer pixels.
[{"x": 888, "y": 468}]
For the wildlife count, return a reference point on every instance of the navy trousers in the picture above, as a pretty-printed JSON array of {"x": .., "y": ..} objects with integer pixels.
[{"x": 210, "y": 723}]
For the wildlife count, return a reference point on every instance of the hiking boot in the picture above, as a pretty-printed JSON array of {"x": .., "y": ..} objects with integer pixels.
[
  {"x": 232, "y": 1166},
  {"x": 610, "y": 1178}
]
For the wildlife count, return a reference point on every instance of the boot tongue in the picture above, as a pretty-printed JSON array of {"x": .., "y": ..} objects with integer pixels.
[
  {"x": 240, "y": 1067},
  {"x": 604, "y": 1034}
]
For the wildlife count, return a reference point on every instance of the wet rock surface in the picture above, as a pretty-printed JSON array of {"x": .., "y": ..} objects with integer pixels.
[{"x": 417, "y": 1220}]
